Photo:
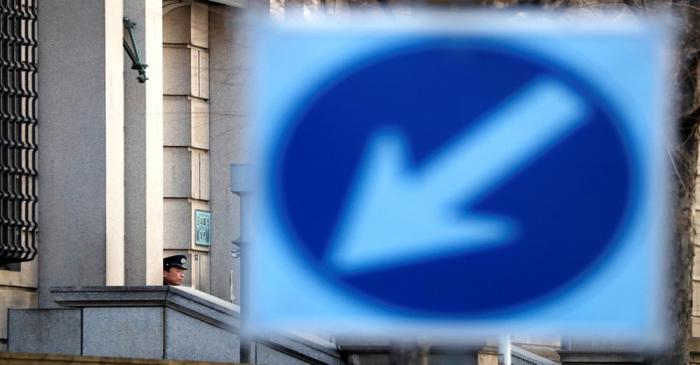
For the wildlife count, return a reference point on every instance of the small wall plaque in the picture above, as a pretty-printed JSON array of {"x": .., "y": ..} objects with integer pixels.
[{"x": 202, "y": 224}]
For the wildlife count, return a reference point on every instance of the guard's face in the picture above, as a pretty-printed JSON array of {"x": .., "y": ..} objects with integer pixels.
[{"x": 174, "y": 276}]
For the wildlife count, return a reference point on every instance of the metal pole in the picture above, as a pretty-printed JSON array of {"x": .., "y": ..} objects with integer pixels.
[
  {"x": 504, "y": 357},
  {"x": 240, "y": 185}
]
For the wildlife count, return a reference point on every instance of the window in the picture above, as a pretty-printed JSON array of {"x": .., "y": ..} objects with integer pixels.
[{"x": 18, "y": 147}]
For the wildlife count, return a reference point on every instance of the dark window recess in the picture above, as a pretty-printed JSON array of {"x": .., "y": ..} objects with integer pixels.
[
  {"x": 12, "y": 266},
  {"x": 18, "y": 138}
]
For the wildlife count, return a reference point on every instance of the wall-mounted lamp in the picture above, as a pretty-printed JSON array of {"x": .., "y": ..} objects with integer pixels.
[{"x": 133, "y": 51}]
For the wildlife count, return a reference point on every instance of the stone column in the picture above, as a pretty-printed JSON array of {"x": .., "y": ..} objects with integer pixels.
[
  {"x": 227, "y": 143},
  {"x": 81, "y": 145},
  {"x": 143, "y": 130}
]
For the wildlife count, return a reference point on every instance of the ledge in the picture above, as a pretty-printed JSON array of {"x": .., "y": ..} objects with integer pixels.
[
  {"x": 530, "y": 356},
  {"x": 12, "y": 358},
  {"x": 302, "y": 347},
  {"x": 194, "y": 303},
  {"x": 233, "y": 3},
  {"x": 600, "y": 357},
  {"x": 198, "y": 305}
]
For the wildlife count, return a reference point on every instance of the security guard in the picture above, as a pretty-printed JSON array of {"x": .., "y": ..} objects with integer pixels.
[{"x": 174, "y": 269}]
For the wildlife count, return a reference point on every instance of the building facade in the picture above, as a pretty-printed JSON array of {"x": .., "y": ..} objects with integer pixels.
[{"x": 133, "y": 171}]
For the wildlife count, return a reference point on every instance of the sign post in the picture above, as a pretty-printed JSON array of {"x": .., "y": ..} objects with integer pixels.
[{"x": 241, "y": 185}]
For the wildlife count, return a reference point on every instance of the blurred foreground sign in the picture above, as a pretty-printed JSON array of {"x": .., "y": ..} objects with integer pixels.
[{"x": 463, "y": 175}]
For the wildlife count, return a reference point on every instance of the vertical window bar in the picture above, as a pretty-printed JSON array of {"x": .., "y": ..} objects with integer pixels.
[
  {"x": 23, "y": 180},
  {"x": 14, "y": 146},
  {"x": 4, "y": 118},
  {"x": 33, "y": 224},
  {"x": 12, "y": 224},
  {"x": 8, "y": 136}
]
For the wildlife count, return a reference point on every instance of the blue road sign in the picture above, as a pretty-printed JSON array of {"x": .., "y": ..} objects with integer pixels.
[{"x": 460, "y": 178}]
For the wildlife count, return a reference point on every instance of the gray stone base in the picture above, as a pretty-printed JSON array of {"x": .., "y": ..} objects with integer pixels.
[
  {"x": 51, "y": 331},
  {"x": 157, "y": 322},
  {"x": 152, "y": 322}
]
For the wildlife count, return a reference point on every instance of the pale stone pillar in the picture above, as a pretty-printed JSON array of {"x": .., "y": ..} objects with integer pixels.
[
  {"x": 81, "y": 154},
  {"x": 144, "y": 148},
  {"x": 227, "y": 143}
]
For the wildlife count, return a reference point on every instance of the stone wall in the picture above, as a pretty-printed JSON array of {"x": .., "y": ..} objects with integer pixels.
[
  {"x": 186, "y": 133},
  {"x": 149, "y": 322},
  {"x": 152, "y": 322},
  {"x": 17, "y": 290}
]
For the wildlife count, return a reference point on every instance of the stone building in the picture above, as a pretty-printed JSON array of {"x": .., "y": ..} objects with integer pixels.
[{"x": 105, "y": 175}]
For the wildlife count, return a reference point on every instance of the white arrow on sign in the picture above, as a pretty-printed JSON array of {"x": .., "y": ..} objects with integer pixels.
[{"x": 397, "y": 214}]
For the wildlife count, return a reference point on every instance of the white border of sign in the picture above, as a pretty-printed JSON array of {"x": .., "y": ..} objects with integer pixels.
[{"x": 626, "y": 59}]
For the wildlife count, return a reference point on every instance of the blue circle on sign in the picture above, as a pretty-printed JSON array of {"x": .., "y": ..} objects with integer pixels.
[{"x": 570, "y": 202}]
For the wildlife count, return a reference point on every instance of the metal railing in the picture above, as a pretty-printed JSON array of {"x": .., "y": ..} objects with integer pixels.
[{"x": 18, "y": 130}]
